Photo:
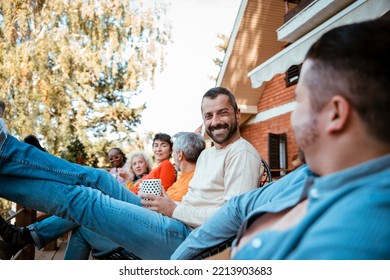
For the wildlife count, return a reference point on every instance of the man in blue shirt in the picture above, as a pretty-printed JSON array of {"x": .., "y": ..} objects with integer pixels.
[
  {"x": 340, "y": 208},
  {"x": 94, "y": 199}
]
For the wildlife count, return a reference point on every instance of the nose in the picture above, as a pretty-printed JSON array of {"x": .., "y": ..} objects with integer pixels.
[{"x": 215, "y": 120}]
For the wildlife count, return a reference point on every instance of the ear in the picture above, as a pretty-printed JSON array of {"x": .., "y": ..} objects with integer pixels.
[
  {"x": 339, "y": 110},
  {"x": 238, "y": 114},
  {"x": 180, "y": 155}
]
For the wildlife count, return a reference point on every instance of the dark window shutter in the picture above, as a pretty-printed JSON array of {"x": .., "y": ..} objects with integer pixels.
[
  {"x": 277, "y": 150},
  {"x": 292, "y": 75},
  {"x": 273, "y": 150}
]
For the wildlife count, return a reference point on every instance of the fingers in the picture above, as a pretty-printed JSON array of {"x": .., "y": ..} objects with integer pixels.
[
  {"x": 163, "y": 192},
  {"x": 149, "y": 200},
  {"x": 148, "y": 196}
]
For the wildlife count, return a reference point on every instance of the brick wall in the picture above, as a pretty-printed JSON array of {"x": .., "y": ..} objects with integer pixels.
[
  {"x": 274, "y": 95},
  {"x": 257, "y": 135}
]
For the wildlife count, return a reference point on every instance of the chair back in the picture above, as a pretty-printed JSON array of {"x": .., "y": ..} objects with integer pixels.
[{"x": 266, "y": 177}]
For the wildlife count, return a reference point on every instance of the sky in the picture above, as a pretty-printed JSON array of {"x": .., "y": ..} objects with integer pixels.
[{"x": 173, "y": 104}]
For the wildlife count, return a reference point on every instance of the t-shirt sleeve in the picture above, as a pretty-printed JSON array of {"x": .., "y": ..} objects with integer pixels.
[{"x": 242, "y": 173}]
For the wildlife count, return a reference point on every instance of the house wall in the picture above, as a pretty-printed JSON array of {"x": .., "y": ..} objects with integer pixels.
[
  {"x": 254, "y": 43},
  {"x": 275, "y": 94}
]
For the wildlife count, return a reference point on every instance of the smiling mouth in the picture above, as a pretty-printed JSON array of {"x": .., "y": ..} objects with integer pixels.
[{"x": 218, "y": 130}]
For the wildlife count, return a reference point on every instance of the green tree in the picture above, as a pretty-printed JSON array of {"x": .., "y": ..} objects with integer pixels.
[
  {"x": 5, "y": 206},
  {"x": 221, "y": 47},
  {"x": 69, "y": 68},
  {"x": 75, "y": 152}
]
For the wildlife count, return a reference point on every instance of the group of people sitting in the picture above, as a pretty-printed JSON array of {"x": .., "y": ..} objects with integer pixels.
[
  {"x": 335, "y": 206},
  {"x": 139, "y": 166}
]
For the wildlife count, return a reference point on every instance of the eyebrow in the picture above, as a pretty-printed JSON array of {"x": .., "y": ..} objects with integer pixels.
[{"x": 218, "y": 111}]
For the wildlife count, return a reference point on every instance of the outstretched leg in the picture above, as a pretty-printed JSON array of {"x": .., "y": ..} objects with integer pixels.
[
  {"x": 139, "y": 230},
  {"x": 23, "y": 160}
]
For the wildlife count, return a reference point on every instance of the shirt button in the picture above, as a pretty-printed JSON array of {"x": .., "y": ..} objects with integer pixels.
[
  {"x": 256, "y": 243},
  {"x": 314, "y": 193}
]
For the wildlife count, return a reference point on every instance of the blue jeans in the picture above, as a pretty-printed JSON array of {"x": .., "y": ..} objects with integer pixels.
[
  {"x": 49, "y": 229},
  {"x": 83, "y": 240},
  {"x": 88, "y": 197}
]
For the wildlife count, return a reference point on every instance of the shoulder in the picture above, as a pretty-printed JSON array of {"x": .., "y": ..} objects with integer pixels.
[
  {"x": 242, "y": 146},
  {"x": 166, "y": 163}
]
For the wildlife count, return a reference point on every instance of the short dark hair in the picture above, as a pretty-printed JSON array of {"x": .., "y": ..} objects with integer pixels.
[
  {"x": 214, "y": 92},
  {"x": 353, "y": 61},
  {"x": 163, "y": 137},
  {"x": 119, "y": 151}
]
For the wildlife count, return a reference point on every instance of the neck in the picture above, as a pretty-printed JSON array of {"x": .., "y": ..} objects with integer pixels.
[
  {"x": 186, "y": 167},
  {"x": 347, "y": 153},
  {"x": 233, "y": 139}
]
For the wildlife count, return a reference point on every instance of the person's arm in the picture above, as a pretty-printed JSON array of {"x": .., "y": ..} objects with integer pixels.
[
  {"x": 226, "y": 222},
  {"x": 161, "y": 204},
  {"x": 167, "y": 174},
  {"x": 242, "y": 173},
  {"x": 126, "y": 174},
  {"x": 223, "y": 225},
  {"x": 164, "y": 171}
]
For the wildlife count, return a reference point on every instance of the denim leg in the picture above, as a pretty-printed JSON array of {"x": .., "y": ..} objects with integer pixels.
[
  {"x": 83, "y": 240},
  {"x": 146, "y": 233},
  {"x": 20, "y": 159},
  {"x": 78, "y": 248},
  {"x": 49, "y": 229},
  {"x": 24, "y": 160}
]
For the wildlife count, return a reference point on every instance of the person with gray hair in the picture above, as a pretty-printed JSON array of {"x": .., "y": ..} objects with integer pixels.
[
  {"x": 191, "y": 144},
  {"x": 95, "y": 200},
  {"x": 139, "y": 164},
  {"x": 337, "y": 206},
  {"x": 187, "y": 147}
]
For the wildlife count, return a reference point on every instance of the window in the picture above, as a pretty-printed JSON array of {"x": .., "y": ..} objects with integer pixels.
[
  {"x": 277, "y": 152},
  {"x": 292, "y": 75}
]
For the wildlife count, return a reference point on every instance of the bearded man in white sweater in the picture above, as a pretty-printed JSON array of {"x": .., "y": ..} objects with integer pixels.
[{"x": 149, "y": 226}]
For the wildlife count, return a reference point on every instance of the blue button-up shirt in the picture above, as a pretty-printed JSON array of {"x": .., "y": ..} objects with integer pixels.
[{"x": 348, "y": 217}]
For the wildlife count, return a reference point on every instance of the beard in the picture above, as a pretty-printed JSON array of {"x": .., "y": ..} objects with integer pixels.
[
  {"x": 301, "y": 156},
  {"x": 222, "y": 138},
  {"x": 305, "y": 135}
]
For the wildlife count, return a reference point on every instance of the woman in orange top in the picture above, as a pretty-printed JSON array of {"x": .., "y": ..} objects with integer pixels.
[{"x": 162, "y": 149}]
